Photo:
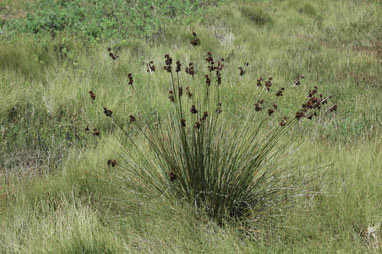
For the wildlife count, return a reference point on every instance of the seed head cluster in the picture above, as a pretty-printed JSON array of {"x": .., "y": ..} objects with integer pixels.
[
  {"x": 297, "y": 82},
  {"x": 168, "y": 63},
  {"x": 151, "y": 67},
  {"x": 112, "y": 55},
  {"x": 92, "y": 95},
  {"x": 131, "y": 81},
  {"x": 112, "y": 163},
  {"x": 259, "y": 82},
  {"x": 195, "y": 40},
  {"x": 190, "y": 69},
  {"x": 107, "y": 112}
]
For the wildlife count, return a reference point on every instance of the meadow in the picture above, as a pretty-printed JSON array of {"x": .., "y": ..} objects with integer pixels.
[{"x": 79, "y": 98}]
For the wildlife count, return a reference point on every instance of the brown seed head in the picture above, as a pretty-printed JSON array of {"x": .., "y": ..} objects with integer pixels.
[
  {"x": 190, "y": 69},
  {"x": 299, "y": 115},
  {"x": 96, "y": 132},
  {"x": 113, "y": 56},
  {"x": 280, "y": 92},
  {"x": 132, "y": 118},
  {"x": 183, "y": 122},
  {"x": 195, "y": 41},
  {"x": 92, "y": 95},
  {"x": 283, "y": 121},
  {"x": 333, "y": 108},
  {"x": 298, "y": 80},
  {"x": 219, "y": 108},
  {"x": 208, "y": 80},
  {"x": 180, "y": 90},
  {"x": 151, "y": 67},
  {"x": 189, "y": 94},
  {"x": 172, "y": 176},
  {"x": 197, "y": 125},
  {"x": 168, "y": 63},
  {"x": 257, "y": 107},
  {"x": 107, "y": 112},
  {"x": 242, "y": 71},
  {"x": 204, "y": 117},
  {"x": 112, "y": 163},
  {"x": 178, "y": 66},
  {"x": 193, "y": 109},
  {"x": 259, "y": 82},
  {"x": 131, "y": 81}
]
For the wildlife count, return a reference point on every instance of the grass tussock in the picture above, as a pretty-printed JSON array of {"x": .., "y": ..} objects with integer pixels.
[{"x": 228, "y": 169}]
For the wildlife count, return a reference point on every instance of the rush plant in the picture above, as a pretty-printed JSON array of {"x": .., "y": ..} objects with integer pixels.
[{"x": 230, "y": 169}]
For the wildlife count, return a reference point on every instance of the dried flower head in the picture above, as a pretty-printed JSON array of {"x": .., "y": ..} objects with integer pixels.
[
  {"x": 92, "y": 95},
  {"x": 204, "y": 117},
  {"x": 193, "y": 109},
  {"x": 131, "y": 81},
  {"x": 178, "y": 66},
  {"x": 211, "y": 67},
  {"x": 299, "y": 115},
  {"x": 259, "y": 82},
  {"x": 280, "y": 92},
  {"x": 183, "y": 122},
  {"x": 180, "y": 90},
  {"x": 333, "y": 108},
  {"x": 107, "y": 112},
  {"x": 209, "y": 57},
  {"x": 113, "y": 56},
  {"x": 220, "y": 65},
  {"x": 257, "y": 107},
  {"x": 313, "y": 92},
  {"x": 297, "y": 82},
  {"x": 112, "y": 163},
  {"x": 195, "y": 41},
  {"x": 219, "y": 108},
  {"x": 172, "y": 176},
  {"x": 171, "y": 95},
  {"x": 283, "y": 121},
  {"x": 96, "y": 132},
  {"x": 168, "y": 63},
  {"x": 197, "y": 125},
  {"x": 271, "y": 111},
  {"x": 190, "y": 69},
  {"x": 218, "y": 77},
  {"x": 268, "y": 84},
  {"x": 242, "y": 71},
  {"x": 150, "y": 67},
  {"x": 132, "y": 118},
  {"x": 189, "y": 94},
  {"x": 208, "y": 80}
]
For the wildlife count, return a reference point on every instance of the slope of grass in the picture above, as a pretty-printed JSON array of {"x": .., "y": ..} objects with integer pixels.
[{"x": 57, "y": 193}]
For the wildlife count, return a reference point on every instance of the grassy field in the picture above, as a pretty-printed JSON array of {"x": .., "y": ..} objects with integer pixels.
[{"x": 59, "y": 195}]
